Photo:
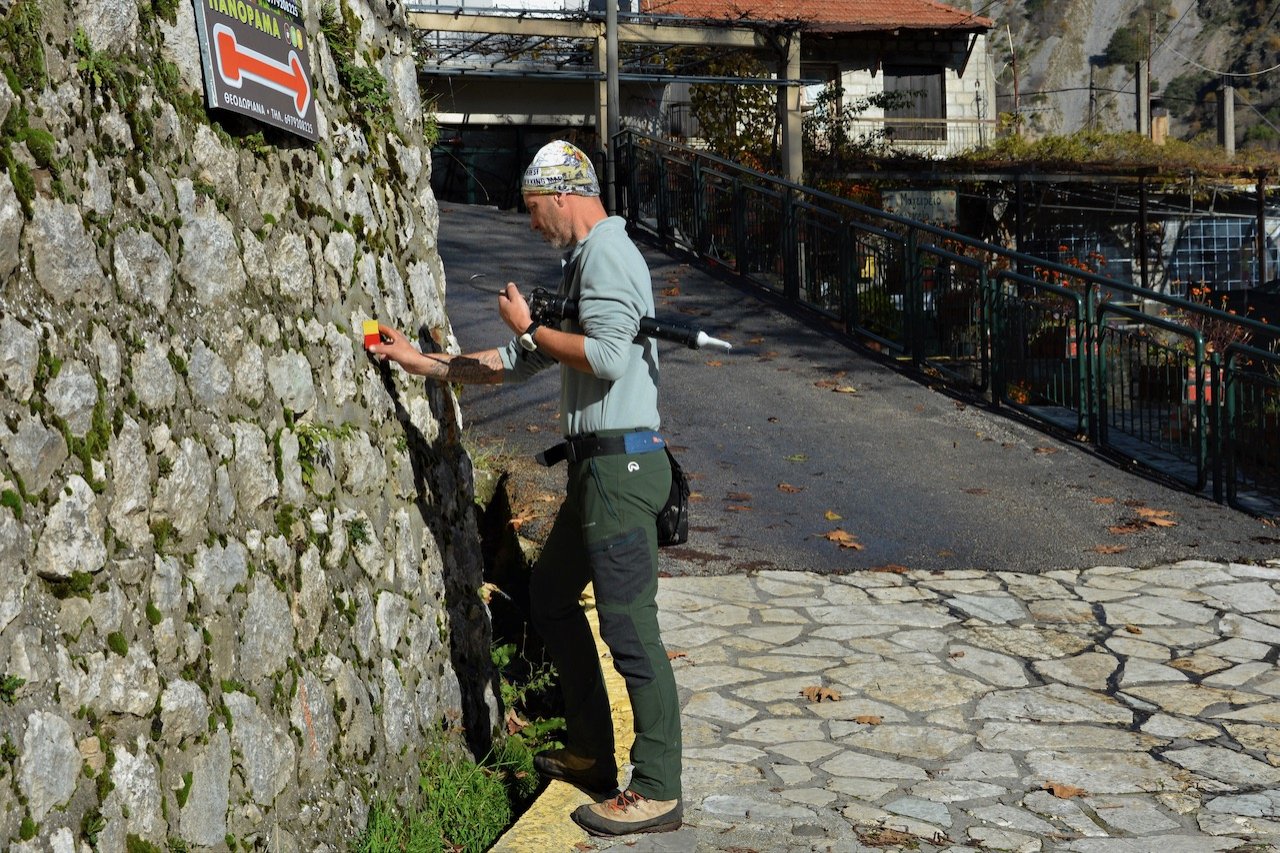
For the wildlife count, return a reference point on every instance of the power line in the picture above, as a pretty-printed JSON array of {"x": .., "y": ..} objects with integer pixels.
[{"x": 1220, "y": 73}]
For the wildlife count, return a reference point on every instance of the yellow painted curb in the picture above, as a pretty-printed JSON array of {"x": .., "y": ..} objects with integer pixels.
[{"x": 546, "y": 826}]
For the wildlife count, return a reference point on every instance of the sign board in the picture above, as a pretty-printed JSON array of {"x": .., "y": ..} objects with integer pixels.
[
  {"x": 937, "y": 207},
  {"x": 256, "y": 62}
]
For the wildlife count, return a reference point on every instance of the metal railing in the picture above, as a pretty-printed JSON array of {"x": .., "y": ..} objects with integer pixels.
[{"x": 1135, "y": 372}]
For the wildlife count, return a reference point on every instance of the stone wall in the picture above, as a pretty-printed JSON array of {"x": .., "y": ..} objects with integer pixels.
[{"x": 238, "y": 562}]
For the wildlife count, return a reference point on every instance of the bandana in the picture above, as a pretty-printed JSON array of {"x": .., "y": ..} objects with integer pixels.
[{"x": 559, "y": 167}]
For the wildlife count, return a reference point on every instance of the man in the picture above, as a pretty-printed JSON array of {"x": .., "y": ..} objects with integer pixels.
[{"x": 618, "y": 480}]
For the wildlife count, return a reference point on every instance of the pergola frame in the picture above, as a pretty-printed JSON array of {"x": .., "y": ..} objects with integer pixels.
[{"x": 777, "y": 40}]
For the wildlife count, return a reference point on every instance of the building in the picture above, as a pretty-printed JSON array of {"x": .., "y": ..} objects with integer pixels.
[{"x": 506, "y": 77}]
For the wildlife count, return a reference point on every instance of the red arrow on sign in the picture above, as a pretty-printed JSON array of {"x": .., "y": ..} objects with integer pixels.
[{"x": 236, "y": 63}]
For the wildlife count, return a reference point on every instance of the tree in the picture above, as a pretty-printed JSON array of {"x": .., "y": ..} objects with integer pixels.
[
  {"x": 739, "y": 121},
  {"x": 829, "y": 133}
]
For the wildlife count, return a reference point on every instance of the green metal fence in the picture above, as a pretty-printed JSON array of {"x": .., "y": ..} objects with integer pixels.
[{"x": 1134, "y": 371}]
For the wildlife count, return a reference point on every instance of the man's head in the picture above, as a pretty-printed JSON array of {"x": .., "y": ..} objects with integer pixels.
[
  {"x": 562, "y": 194},
  {"x": 560, "y": 167}
]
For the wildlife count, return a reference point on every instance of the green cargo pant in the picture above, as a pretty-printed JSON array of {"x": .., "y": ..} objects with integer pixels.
[{"x": 605, "y": 534}]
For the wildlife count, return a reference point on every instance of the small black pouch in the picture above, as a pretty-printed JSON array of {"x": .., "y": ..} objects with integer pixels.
[{"x": 673, "y": 519}]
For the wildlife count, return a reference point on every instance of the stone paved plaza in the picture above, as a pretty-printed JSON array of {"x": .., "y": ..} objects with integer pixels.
[{"x": 1111, "y": 709}]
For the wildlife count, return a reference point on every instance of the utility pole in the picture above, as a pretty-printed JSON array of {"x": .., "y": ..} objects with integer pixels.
[
  {"x": 1227, "y": 118},
  {"x": 1143, "y": 105},
  {"x": 1013, "y": 61},
  {"x": 611, "y": 106}
]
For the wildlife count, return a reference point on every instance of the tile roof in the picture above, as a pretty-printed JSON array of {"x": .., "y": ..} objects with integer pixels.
[{"x": 829, "y": 15}]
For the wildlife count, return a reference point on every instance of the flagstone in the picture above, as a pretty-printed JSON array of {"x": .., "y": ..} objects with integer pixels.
[
  {"x": 990, "y": 608},
  {"x": 923, "y": 742},
  {"x": 1101, "y": 772},
  {"x": 1138, "y": 671},
  {"x": 1235, "y": 625},
  {"x": 1023, "y": 737},
  {"x": 1239, "y": 649},
  {"x": 716, "y": 675},
  {"x": 1065, "y": 812},
  {"x": 980, "y": 765},
  {"x": 928, "y": 686},
  {"x": 1061, "y": 610},
  {"x": 1180, "y": 609},
  {"x": 1132, "y": 816},
  {"x": 775, "y": 634},
  {"x": 1255, "y": 737},
  {"x": 850, "y": 763},
  {"x": 1028, "y": 642},
  {"x": 1125, "y": 644},
  {"x": 956, "y": 791},
  {"x": 1090, "y": 670},
  {"x": 930, "y": 812},
  {"x": 1189, "y": 699},
  {"x": 805, "y": 752},
  {"x": 1238, "y": 675},
  {"x": 1008, "y": 817},
  {"x": 1054, "y": 703},
  {"x": 1165, "y": 726},
  {"x": 714, "y": 706},
  {"x": 1225, "y": 765},
  {"x": 992, "y": 667},
  {"x": 1250, "y": 597}
]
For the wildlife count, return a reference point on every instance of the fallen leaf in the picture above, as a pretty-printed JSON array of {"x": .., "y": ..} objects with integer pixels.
[
  {"x": 738, "y": 496},
  {"x": 1045, "y": 451},
  {"x": 797, "y": 457},
  {"x": 1127, "y": 527},
  {"x": 820, "y": 694},
  {"x": 518, "y": 521},
  {"x": 789, "y": 489},
  {"x": 1108, "y": 549},
  {"x": 1133, "y": 629},
  {"x": 831, "y": 515},
  {"x": 487, "y": 589},
  {"x": 1104, "y": 501},
  {"x": 1157, "y": 517},
  {"x": 533, "y": 428},
  {"x": 846, "y": 389},
  {"x": 1183, "y": 663},
  {"x": 671, "y": 291},
  {"x": 977, "y": 491},
  {"x": 513, "y": 722},
  {"x": 957, "y": 654},
  {"x": 826, "y": 383},
  {"x": 1063, "y": 791},
  {"x": 755, "y": 340},
  {"x": 890, "y": 568},
  {"x": 674, "y": 655},
  {"x": 844, "y": 539},
  {"x": 715, "y": 363},
  {"x": 738, "y": 508},
  {"x": 868, "y": 720}
]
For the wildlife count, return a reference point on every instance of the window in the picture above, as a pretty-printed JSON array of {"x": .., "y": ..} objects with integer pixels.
[{"x": 923, "y": 119}]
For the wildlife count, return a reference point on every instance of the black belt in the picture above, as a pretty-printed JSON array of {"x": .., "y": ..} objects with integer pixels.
[{"x": 579, "y": 447}]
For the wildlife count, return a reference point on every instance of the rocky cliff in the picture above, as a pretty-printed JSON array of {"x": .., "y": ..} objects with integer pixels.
[
  {"x": 1074, "y": 62},
  {"x": 238, "y": 563}
]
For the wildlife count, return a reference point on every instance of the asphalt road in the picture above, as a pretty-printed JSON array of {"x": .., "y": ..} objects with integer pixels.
[{"x": 795, "y": 440}]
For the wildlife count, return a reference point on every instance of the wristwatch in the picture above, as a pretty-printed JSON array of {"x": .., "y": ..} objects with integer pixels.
[{"x": 527, "y": 341}]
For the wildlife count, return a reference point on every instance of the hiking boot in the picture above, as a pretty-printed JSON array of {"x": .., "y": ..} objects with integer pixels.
[
  {"x": 567, "y": 766},
  {"x": 627, "y": 813}
]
